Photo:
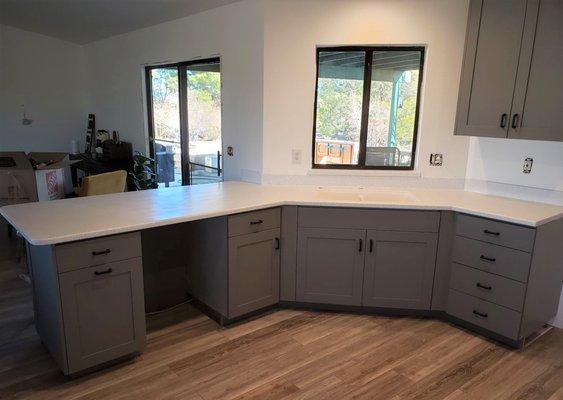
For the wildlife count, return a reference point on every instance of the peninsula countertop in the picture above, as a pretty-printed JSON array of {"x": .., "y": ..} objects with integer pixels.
[{"x": 67, "y": 220}]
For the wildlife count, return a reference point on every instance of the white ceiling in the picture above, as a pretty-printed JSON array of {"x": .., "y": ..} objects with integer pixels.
[{"x": 83, "y": 21}]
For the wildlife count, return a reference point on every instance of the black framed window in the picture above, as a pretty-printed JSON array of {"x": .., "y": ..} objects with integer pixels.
[
  {"x": 366, "y": 107},
  {"x": 184, "y": 117}
]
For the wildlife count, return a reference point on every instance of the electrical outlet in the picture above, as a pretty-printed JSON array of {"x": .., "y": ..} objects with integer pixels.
[
  {"x": 528, "y": 162},
  {"x": 436, "y": 159},
  {"x": 296, "y": 156},
  {"x": 230, "y": 151}
]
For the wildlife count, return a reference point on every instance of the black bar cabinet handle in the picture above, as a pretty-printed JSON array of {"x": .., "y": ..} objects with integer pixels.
[
  {"x": 371, "y": 245},
  {"x": 107, "y": 271},
  {"x": 489, "y": 259},
  {"x": 480, "y": 285},
  {"x": 480, "y": 314},
  {"x": 503, "y": 120},
  {"x": 488, "y": 232},
  {"x": 101, "y": 253},
  {"x": 361, "y": 245},
  {"x": 277, "y": 247},
  {"x": 256, "y": 222},
  {"x": 515, "y": 119}
]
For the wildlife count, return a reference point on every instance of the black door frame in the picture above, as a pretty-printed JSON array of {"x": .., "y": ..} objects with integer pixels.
[{"x": 182, "y": 68}]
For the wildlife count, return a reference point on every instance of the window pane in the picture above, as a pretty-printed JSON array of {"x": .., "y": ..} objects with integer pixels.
[
  {"x": 204, "y": 122},
  {"x": 392, "y": 109},
  {"x": 339, "y": 107},
  {"x": 166, "y": 125}
]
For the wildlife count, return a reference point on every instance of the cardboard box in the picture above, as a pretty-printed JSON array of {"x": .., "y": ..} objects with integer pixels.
[
  {"x": 17, "y": 179},
  {"x": 52, "y": 174}
]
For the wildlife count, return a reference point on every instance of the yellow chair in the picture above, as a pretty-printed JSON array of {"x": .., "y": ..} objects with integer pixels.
[{"x": 110, "y": 182}]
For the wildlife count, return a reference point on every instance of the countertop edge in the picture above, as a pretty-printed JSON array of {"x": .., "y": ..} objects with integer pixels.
[{"x": 156, "y": 224}]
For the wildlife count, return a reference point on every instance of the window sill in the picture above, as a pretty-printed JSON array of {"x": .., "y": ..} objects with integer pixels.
[{"x": 369, "y": 173}]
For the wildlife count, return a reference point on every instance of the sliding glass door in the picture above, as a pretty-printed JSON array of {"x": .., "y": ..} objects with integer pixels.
[{"x": 184, "y": 109}]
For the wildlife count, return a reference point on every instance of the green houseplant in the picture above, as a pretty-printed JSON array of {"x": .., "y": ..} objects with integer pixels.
[{"x": 143, "y": 176}]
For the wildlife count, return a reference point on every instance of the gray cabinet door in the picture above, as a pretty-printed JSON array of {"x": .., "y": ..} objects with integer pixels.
[
  {"x": 538, "y": 96},
  {"x": 399, "y": 269},
  {"x": 103, "y": 313},
  {"x": 330, "y": 265},
  {"x": 492, "y": 48},
  {"x": 254, "y": 271}
]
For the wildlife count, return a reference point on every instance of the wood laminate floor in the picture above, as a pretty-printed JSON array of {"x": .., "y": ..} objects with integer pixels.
[{"x": 283, "y": 355}]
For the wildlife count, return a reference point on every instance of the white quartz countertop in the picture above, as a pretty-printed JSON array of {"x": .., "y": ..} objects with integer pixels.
[{"x": 67, "y": 220}]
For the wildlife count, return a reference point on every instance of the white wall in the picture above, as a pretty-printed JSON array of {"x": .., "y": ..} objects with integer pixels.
[
  {"x": 47, "y": 76},
  {"x": 234, "y": 32},
  {"x": 293, "y": 29},
  {"x": 495, "y": 166}
]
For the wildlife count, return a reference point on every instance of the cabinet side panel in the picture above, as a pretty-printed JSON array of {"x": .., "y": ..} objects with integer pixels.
[
  {"x": 443, "y": 261},
  {"x": 47, "y": 304},
  {"x": 546, "y": 276},
  {"x": 288, "y": 253},
  {"x": 188, "y": 257}
]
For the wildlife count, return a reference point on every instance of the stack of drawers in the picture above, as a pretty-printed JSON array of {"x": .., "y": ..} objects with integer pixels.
[{"x": 490, "y": 269}]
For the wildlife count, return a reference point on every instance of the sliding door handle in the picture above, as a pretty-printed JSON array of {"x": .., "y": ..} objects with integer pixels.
[
  {"x": 277, "y": 246},
  {"x": 360, "y": 247},
  {"x": 371, "y": 245}
]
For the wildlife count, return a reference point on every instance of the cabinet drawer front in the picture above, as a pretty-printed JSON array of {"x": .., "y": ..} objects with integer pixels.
[
  {"x": 256, "y": 221},
  {"x": 514, "y": 264},
  {"x": 501, "y": 233},
  {"x": 383, "y": 220},
  {"x": 493, "y": 288},
  {"x": 103, "y": 312},
  {"x": 88, "y": 253},
  {"x": 482, "y": 313}
]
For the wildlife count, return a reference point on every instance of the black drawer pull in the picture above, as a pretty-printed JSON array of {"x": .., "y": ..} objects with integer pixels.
[
  {"x": 480, "y": 314},
  {"x": 485, "y": 258},
  {"x": 480, "y": 285},
  {"x": 371, "y": 245},
  {"x": 256, "y": 222},
  {"x": 101, "y": 253},
  {"x": 488, "y": 232},
  {"x": 361, "y": 245},
  {"x": 107, "y": 271},
  {"x": 277, "y": 247},
  {"x": 515, "y": 119},
  {"x": 503, "y": 120}
]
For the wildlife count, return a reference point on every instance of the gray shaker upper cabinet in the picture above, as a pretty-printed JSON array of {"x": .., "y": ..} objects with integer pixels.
[
  {"x": 511, "y": 84},
  {"x": 492, "y": 48},
  {"x": 537, "y": 111}
]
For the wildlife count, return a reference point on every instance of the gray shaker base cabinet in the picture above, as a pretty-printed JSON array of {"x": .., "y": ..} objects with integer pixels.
[
  {"x": 330, "y": 264},
  {"x": 89, "y": 300},
  {"x": 254, "y": 271},
  {"x": 496, "y": 278},
  {"x": 399, "y": 269}
]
